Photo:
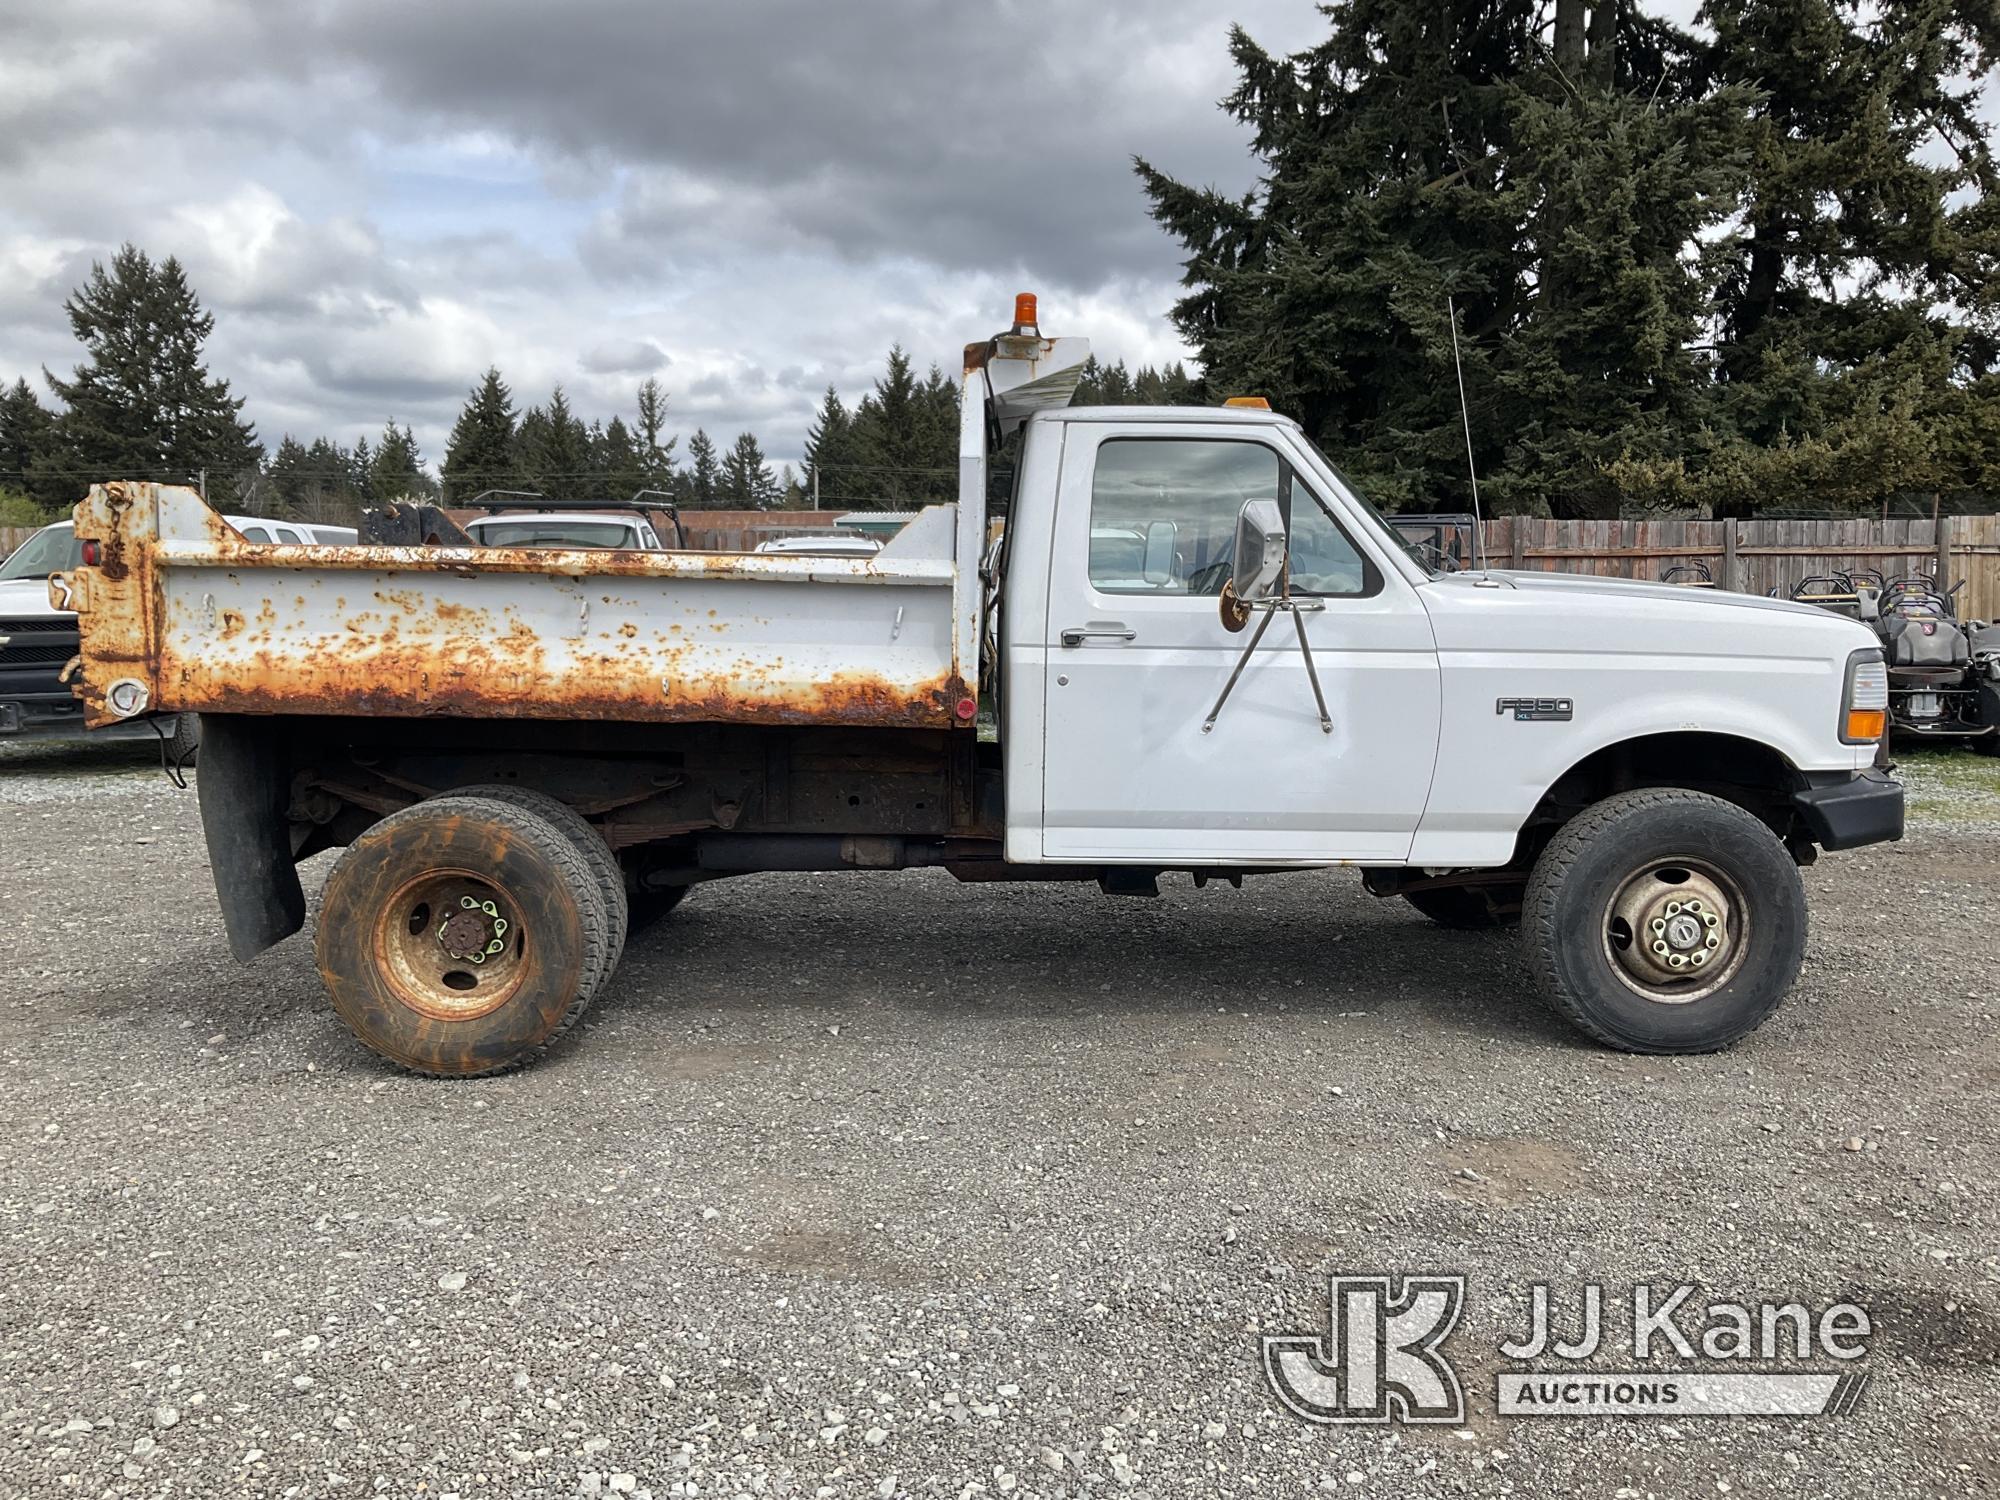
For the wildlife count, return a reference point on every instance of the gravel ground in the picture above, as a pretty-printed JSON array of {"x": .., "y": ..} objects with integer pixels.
[{"x": 864, "y": 1185}]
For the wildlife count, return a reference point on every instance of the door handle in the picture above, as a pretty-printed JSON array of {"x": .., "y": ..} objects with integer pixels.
[{"x": 1076, "y": 635}]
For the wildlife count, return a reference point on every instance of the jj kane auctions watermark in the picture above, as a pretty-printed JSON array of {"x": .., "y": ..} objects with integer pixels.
[{"x": 1382, "y": 1357}]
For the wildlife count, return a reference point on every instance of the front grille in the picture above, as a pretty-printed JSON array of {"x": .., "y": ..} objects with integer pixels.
[
  {"x": 43, "y": 625},
  {"x": 34, "y": 643}
]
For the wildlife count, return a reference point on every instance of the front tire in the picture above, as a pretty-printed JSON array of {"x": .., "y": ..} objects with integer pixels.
[
  {"x": 1664, "y": 921},
  {"x": 461, "y": 936}
]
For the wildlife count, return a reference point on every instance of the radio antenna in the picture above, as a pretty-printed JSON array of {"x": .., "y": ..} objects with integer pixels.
[{"x": 1465, "y": 414}]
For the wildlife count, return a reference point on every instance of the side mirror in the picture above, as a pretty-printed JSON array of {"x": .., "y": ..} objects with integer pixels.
[
  {"x": 1260, "y": 550},
  {"x": 1159, "y": 561}
]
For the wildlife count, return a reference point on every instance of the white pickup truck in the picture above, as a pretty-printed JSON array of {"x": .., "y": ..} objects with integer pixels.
[{"x": 520, "y": 749}]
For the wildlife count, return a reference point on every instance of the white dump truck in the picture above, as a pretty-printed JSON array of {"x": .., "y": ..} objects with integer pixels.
[{"x": 1177, "y": 641}]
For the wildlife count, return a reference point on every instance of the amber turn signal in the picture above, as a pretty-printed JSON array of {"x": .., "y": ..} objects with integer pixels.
[{"x": 1866, "y": 723}]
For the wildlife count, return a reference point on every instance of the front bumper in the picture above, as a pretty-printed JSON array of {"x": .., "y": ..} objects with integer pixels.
[{"x": 1845, "y": 812}]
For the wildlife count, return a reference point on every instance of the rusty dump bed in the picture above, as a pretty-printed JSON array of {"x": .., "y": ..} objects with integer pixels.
[{"x": 181, "y": 613}]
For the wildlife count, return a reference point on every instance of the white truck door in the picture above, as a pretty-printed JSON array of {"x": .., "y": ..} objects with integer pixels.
[{"x": 1137, "y": 654}]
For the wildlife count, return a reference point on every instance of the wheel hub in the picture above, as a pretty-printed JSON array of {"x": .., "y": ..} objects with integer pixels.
[
  {"x": 475, "y": 932},
  {"x": 450, "y": 946},
  {"x": 1672, "y": 932}
]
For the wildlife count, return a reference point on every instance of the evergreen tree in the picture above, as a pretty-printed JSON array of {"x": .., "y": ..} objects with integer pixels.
[
  {"x": 27, "y": 437},
  {"x": 554, "y": 450},
  {"x": 624, "y": 470},
  {"x": 289, "y": 472},
  {"x": 829, "y": 453},
  {"x": 1857, "y": 308},
  {"x": 894, "y": 441},
  {"x": 479, "y": 455},
  {"x": 746, "y": 478},
  {"x": 1383, "y": 183},
  {"x": 655, "y": 449},
  {"x": 143, "y": 405},
  {"x": 702, "y": 480},
  {"x": 397, "y": 468}
]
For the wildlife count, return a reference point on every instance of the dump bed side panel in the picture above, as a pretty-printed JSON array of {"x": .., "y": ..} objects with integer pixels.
[{"x": 181, "y": 613}]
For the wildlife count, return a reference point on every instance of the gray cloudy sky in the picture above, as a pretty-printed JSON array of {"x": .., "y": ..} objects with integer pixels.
[{"x": 378, "y": 198}]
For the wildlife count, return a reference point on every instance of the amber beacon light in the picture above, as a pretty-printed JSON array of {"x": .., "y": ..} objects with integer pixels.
[{"x": 1025, "y": 320}]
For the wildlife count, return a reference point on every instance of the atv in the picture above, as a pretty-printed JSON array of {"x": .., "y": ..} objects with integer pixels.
[{"x": 1944, "y": 673}]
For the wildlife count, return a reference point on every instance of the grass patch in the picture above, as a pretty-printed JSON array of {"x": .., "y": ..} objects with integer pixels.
[{"x": 1959, "y": 786}]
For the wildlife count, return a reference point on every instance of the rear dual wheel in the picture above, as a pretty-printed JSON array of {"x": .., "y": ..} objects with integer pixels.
[{"x": 463, "y": 935}]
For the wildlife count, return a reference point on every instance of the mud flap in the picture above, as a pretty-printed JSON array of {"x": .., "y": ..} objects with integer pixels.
[{"x": 244, "y": 783}]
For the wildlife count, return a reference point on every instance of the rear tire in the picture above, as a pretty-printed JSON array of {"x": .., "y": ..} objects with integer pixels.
[
  {"x": 1664, "y": 921},
  {"x": 1462, "y": 908},
  {"x": 461, "y": 936},
  {"x": 589, "y": 843},
  {"x": 185, "y": 742}
]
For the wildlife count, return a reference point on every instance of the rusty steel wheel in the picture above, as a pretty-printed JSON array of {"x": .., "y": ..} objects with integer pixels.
[
  {"x": 604, "y": 866},
  {"x": 461, "y": 936}
]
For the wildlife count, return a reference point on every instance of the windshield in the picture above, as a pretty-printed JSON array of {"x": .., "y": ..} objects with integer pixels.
[
  {"x": 55, "y": 550},
  {"x": 554, "y": 534},
  {"x": 1410, "y": 548}
]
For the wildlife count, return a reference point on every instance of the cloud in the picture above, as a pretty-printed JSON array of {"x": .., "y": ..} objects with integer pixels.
[
  {"x": 626, "y": 357},
  {"x": 377, "y": 199}
]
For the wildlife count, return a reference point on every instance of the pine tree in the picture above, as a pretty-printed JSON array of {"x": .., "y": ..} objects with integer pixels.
[
  {"x": 829, "y": 453},
  {"x": 397, "y": 468},
  {"x": 27, "y": 437},
  {"x": 703, "y": 478},
  {"x": 289, "y": 472},
  {"x": 620, "y": 462},
  {"x": 746, "y": 478},
  {"x": 1383, "y": 184},
  {"x": 655, "y": 449},
  {"x": 1857, "y": 307},
  {"x": 554, "y": 449},
  {"x": 893, "y": 441},
  {"x": 479, "y": 455},
  {"x": 143, "y": 405}
]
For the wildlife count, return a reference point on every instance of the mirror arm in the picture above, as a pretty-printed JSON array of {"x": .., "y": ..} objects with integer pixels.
[{"x": 1270, "y": 609}]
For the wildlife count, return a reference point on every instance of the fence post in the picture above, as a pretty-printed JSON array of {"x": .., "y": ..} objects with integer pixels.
[
  {"x": 1943, "y": 554},
  {"x": 1730, "y": 580},
  {"x": 1517, "y": 545}
]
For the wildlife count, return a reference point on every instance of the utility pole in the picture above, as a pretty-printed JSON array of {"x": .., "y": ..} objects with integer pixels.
[{"x": 815, "y": 486}]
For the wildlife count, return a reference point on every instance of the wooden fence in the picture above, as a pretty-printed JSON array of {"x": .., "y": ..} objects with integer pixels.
[
  {"x": 1755, "y": 557},
  {"x": 1751, "y": 557}
]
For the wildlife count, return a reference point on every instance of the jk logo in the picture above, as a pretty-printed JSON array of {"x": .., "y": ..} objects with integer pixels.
[{"x": 1380, "y": 1359}]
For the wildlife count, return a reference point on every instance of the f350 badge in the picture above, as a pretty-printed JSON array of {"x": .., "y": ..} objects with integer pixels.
[{"x": 1556, "y": 710}]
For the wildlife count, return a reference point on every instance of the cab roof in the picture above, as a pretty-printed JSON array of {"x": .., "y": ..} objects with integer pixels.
[{"x": 1234, "y": 416}]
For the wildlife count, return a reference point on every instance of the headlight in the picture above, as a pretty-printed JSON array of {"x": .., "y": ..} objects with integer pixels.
[{"x": 1864, "y": 705}]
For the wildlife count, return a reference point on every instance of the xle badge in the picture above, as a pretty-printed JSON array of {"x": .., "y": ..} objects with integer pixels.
[{"x": 1560, "y": 710}]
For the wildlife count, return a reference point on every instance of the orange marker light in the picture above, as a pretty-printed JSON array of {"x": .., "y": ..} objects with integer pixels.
[
  {"x": 1866, "y": 723},
  {"x": 1024, "y": 311},
  {"x": 1256, "y": 403}
]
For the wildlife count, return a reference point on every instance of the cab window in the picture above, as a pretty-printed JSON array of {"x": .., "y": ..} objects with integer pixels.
[{"x": 1163, "y": 519}]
